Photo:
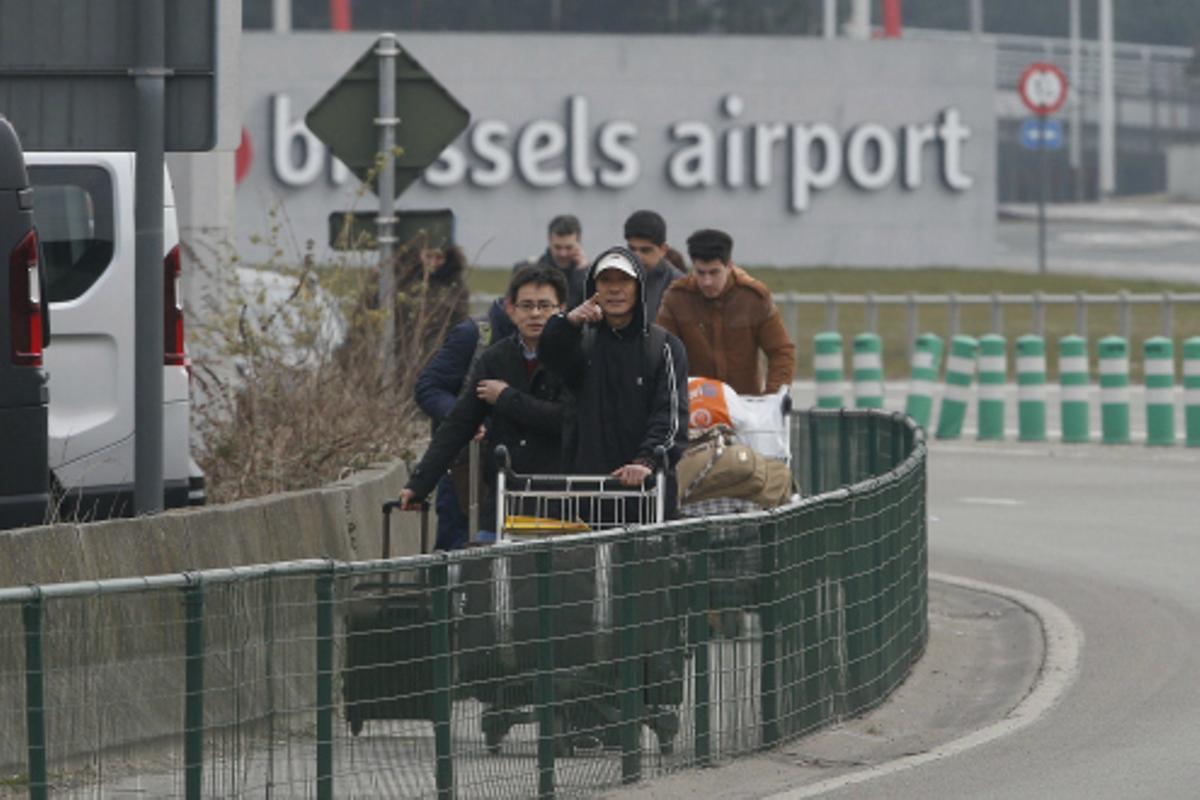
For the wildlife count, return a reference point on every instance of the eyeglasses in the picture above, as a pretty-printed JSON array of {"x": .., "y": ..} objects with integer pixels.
[{"x": 528, "y": 306}]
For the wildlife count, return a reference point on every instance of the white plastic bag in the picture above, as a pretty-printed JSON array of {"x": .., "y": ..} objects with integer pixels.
[{"x": 761, "y": 422}]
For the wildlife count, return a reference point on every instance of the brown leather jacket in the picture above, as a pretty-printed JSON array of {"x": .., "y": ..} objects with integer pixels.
[{"x": 723, "y": 336}]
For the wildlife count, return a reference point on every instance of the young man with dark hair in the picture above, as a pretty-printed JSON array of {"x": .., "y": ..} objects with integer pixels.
[
  {"x": 646, "y": 235},
  {"x": 725, "y": 317},
  {"x": 564, "y": 252},
  {"x": 628, "y": 376},
  {"x": 508, "y": 385}
]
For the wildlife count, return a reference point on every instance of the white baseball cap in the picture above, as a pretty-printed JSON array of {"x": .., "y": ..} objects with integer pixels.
[{"x": 616, "y": 261}]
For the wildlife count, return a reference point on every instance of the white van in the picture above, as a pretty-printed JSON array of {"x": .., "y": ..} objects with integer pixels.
[{"x": 84, "y": 213}]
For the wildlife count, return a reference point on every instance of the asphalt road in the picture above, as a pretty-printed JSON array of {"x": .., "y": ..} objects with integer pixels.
[
  {"x": 1111, "y": 536},
  {"x": 1155, "y": 252}
]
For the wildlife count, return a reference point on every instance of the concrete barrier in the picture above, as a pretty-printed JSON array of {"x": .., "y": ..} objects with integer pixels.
[{"x": 341, "y": 520}]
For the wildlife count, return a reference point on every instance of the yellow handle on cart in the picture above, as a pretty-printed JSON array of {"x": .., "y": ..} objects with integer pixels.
[{"x": 542, "y": 526}]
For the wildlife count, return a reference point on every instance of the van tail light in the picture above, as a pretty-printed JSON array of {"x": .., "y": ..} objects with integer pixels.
[
  {"x": 173, "y": 355},
  {"x": 25, "y": 303}
]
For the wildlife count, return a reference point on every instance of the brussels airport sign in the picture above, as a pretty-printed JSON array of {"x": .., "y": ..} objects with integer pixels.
[{"x": 551, "y": 153}]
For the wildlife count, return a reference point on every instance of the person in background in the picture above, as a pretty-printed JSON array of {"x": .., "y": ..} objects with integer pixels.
[
  {"x": 564, "y": 252},
  {"x": 508, "y": 385},
  {"x": 646, "y": 235},
  {"x": 436, "y": 391},
  {"x": 726, "y": 318},
  {"x": 431, "y": 298}
]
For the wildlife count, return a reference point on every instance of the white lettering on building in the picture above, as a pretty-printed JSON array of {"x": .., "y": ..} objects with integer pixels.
[{"x": 551, "y": 153}]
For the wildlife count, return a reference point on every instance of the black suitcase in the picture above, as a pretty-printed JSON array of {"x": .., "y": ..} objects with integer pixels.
[{"x": 388, "y": 671}]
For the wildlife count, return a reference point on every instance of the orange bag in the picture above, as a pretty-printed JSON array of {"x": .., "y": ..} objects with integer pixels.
[{"x": 706, "y": 403}]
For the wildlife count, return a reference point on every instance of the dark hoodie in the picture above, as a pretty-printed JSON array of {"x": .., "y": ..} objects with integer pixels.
[{"x": 629, "y": 401}]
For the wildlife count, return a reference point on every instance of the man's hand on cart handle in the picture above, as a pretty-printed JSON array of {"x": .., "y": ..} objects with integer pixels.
[
  {"x": 587, "y": 311},
  {"x": 408, "y": 499},
  {"x": 632, "y": 474}
]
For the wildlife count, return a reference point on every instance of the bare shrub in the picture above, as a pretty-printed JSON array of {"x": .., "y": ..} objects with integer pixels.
[{"x": 290, "y": 387}]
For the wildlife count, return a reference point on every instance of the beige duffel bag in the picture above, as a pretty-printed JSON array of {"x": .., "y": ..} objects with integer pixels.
[{"x": 716, "y": 465}]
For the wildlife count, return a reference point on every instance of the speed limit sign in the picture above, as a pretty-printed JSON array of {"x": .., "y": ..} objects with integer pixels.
[{"x": 1043, "y": 88}]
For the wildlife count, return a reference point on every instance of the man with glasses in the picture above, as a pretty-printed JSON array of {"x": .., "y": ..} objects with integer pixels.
[
  {"x": 507, "y": 384},
  {"x": 646, "y": 235}
]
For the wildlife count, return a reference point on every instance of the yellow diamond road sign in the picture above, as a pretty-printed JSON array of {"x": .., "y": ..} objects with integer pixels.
[{"x": 430, "y": 118}]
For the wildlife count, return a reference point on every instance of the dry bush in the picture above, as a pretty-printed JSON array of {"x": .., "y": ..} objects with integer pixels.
[{"x": 291, "y": 390}]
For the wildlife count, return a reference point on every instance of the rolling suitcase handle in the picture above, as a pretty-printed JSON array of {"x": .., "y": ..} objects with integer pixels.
[{"x": 388, "y": 508}]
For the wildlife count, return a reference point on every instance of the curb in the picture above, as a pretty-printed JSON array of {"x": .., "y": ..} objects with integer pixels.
[{"x": 1063, "y": 642}]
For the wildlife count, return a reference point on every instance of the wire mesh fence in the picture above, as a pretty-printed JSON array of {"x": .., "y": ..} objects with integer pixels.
[{"x": 557, "y": 666}]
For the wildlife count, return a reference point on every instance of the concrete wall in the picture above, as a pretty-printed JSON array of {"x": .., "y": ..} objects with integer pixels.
[
  {"x": 710, "y": 131},
  {"x": 1183, "y": 172}
]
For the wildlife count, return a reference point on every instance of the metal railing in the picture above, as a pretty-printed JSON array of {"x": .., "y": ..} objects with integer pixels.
[{"x": 617, "y": 656}]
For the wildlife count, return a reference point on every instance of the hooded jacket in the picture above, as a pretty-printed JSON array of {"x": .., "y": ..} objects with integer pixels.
[{"x": 628, "y": 402}]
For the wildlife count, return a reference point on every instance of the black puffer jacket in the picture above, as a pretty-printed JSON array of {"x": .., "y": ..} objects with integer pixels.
[
  {"x": 628, "y": 401},
  {"x": 527, "y": 419}
]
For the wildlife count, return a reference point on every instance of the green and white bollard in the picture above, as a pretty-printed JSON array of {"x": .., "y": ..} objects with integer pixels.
[
  {"x": 1031, "y": 388},
  {"x": 1114, "y": 390},
  {"x": 926, "y": 362},
  {"x": 960, "y": 369},
  {"x": 868, "y": 371},
  {"x": 827, "y": 368},
  {"x": 1191, "y": 390},
  {"x": 993, "y": 372},
  {"x": 1073, "y": 379},
  {"x": 1159, "y": 368}
]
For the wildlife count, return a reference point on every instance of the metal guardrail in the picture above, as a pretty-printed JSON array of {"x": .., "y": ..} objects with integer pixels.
[
  {"x": 622, "y": 655},
  {"x": 1124, "y": 302}
]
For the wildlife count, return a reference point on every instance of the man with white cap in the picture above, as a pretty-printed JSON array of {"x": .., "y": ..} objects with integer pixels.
[{"x": 628, "y": 376}]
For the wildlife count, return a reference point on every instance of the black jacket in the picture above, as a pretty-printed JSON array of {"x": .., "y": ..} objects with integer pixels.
[
  {"x": 575, "y": 276},
  {"x": 628, "y": 401},
  {"x": 527, "y": 419}
]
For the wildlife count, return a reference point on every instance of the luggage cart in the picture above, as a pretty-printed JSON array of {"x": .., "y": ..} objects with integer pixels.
[{"x": 498, "y": 630}]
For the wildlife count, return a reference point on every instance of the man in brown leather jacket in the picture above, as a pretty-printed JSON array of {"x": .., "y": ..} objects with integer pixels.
[{"x": 725, "y": 317}]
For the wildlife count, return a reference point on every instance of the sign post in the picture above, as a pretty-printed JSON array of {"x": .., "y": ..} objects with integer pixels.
[
  {"x": 1043, "y": 89},
  {"x": 385, "y": 81}
]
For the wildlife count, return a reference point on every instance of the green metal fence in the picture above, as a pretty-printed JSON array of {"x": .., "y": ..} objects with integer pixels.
[{"x": 559, "y": 666}]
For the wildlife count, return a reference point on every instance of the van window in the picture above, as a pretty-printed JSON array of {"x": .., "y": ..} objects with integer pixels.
[{"x": 72, "y": 209}]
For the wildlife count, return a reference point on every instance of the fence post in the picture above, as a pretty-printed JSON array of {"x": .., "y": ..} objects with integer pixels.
[
  {"x": 827, "y": 369},
  {"x": 1158, "y": 367},
  {"x": 1114, "y": 390},
  {"x": 926, "y": 362},
  {"x": 443, "y": 669},
  {"x": 1168, "y": 314},
  {"x": 868, "y": 371},
  {"x": 831, "y": 311},
  {"x": 872, "y": 313},
  {"x": 1191, "y": 390},
  {"x": 35, "y": 698},
  {"x": 993, "y": 372},
  {"x": 1081, "y": 315},
  {"x": 1039, "y": 314},
  {"x": 911, "y": 318},
  {"x": 698, "y": 632},
  {"x": 547, "y": 735},
  {"x": 960, "y": 369},
  {"x": 952, "y": 314},
  {"x": 1031, "y": 389},
  {"x": 1124, "y": 313},
  {"x": 769, "y": 676},
  {"x": 324, "y": 591},
  {"x": 997, "y": 315},
  {"x": 630, "y": 664},
  {"x": 193, "y": 707}
]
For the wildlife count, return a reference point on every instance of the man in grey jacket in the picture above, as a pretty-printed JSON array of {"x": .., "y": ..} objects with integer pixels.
[{"x": 646, "y": 235}]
